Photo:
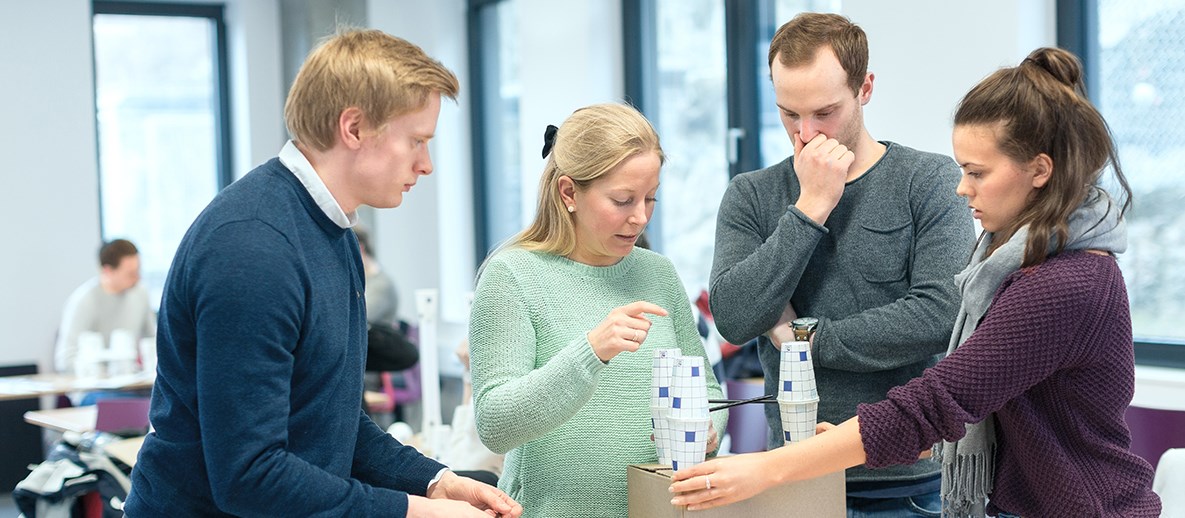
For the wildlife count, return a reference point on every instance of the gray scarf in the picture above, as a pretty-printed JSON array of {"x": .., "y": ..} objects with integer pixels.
[{"x": 968, "y": 466}]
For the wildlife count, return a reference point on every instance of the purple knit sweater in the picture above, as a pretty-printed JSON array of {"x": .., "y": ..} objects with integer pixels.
[{"x": 1053, "y": 360}]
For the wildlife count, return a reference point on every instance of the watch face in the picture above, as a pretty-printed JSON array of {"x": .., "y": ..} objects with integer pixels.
[{"x": 805, "y": 322}]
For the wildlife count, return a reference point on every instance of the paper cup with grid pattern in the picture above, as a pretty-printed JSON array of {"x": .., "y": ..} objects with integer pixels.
[
  {"x": 688, "y": 441},
  {"x": 798, "y": 419},
  {"x": 689, "y": 389},
  {"x": 796, "y": 373},
  {"x": 660, "y": 423},
  {"x": 663, "y": 367}
]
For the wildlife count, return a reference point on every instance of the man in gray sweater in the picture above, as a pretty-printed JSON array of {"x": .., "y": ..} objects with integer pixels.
[{"x": 865, "y": 236}]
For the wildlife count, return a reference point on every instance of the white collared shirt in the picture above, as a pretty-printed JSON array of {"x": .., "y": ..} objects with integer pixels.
[{"x": 300, "y": 166}]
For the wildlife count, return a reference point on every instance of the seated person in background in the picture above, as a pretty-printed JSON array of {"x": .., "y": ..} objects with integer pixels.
[
  {"x": 113, "y": 300},
  {"x": 387, "y": 345},
  {"x": 565, "y": 319}
]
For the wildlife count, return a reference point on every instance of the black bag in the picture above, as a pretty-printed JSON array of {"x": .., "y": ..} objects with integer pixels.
[{"x": 388, "y": 349}]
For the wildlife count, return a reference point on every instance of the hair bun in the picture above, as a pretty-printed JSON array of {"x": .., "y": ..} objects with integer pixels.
[{"x": 1061, "y": 64}]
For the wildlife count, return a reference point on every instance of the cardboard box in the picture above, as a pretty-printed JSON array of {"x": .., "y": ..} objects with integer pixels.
[{"x": 650, "y": 497}]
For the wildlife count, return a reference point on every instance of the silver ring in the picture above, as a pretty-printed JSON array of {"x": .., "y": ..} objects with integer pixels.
[
  {"x": 638, "y": 335},
  {"x": 708, "y": 480}
]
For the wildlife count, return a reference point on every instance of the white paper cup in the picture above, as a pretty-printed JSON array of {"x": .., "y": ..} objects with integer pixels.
[
  {"x": 661, "y": 426},
  {"x": 796, "y": 373},
  {"x": 661, "y": 375},
  {"x": 689, "y": 442},
  {"x": 689, "y": 389},
  {"x": 798, "y": 419}
]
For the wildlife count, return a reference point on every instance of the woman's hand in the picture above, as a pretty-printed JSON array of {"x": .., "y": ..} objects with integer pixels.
[
  {"x": 721, "y": 481},
  {"x": 623, "y": 330},
  {"x": 713, "y": 438}
]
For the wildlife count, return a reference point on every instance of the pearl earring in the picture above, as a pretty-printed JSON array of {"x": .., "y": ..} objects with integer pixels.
[{"x": 571, "y": 208}]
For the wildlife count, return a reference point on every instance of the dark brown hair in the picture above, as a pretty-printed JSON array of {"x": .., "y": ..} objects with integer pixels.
[
  {"x": 797, "y": 41},
  {"x": 1040, "y": 106},
  {"x": 113, "y": 252}
]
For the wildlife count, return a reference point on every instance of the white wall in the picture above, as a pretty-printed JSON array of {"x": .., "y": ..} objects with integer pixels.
[
  {"x": 926, "y": 54},
  {"x": 50, "y": 200}
]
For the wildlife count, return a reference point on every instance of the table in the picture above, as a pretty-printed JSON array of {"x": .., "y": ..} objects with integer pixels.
[
  {"x": 82, "y": 419},
  {"x": 79, "y": 419},
  {"x": 35, "y": 385}
]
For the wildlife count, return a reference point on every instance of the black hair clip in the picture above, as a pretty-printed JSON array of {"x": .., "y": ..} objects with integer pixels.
[{"x": 549, "y": 139}]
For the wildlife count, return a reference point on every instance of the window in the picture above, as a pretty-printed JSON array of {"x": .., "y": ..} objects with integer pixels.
[
  {"x": 498, "y": 168},
  {"x": 707, "y": 91},
  {"x": 1133, "y": 53},
  {"x": 161, "y": 116}
]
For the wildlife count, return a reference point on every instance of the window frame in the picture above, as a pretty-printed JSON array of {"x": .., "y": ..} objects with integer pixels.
[
  {"x": 216, "y": 14},
  {"x": 1077, "y": 31}
]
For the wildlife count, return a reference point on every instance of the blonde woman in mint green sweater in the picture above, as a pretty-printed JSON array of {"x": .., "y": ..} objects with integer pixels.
[{"x": 565, "y": 317}]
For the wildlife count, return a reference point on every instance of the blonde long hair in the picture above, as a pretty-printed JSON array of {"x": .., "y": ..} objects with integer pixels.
[{"x": 588, "y": 145}]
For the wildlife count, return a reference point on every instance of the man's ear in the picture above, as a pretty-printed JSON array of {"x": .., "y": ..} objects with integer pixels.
[
  {"x": 1041, "y": 167},
  {"x": 866, "y": 89},
  {"x": 349, "y": 127}
]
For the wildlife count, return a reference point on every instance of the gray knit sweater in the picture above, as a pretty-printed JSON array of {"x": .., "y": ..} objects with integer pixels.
[{"x": 879, "y": 276}]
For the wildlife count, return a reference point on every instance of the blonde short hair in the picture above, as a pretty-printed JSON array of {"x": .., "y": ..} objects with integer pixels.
[
  {"x": 380, "y": 74},
  {"x": 588, "y": 145}
]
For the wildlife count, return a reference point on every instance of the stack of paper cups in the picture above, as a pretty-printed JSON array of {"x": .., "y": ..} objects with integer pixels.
[
  {"x": 121, "y": 355},
  {"x": 660, "y": 401},
  {"x": 148, "y": 355},
  {"x": 89, "y": 361},
  {"x": 798, "y": 398},
  {"x": 689, "y": 419}
]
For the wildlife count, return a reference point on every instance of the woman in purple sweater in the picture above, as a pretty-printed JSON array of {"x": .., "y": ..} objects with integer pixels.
[{"x": 1029, "y": 402}]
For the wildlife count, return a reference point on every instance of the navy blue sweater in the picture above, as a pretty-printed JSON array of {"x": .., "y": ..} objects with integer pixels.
[{"x": 257, "y": 406}]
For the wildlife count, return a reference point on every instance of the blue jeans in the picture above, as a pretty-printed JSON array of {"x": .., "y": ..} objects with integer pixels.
[{"x": 929, "y": 504}]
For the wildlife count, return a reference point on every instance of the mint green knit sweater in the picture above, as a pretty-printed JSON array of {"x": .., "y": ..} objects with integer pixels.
[{"x": 570, "y": 423}]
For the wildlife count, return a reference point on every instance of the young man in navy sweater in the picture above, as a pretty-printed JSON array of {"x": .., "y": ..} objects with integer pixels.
[{"x": 257, "y": 405}]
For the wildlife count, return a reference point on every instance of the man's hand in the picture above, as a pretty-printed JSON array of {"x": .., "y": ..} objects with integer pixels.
[
  {"x": 458, "y": 496},
  {"x": 782, "y": 332},
  {"x": 822, "y": 169}
]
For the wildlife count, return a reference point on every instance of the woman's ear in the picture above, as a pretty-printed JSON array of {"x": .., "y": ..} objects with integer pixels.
[
  {"x": 1041, "y": 167},
  {"x": 567, "y": 189}
]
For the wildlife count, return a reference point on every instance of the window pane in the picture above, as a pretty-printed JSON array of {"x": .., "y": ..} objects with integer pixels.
[
  {"x": 775, "y": 144},
  {"x": 157, "y": 108},
  {"x": 1142, "y": 95},
  {"x": 504, "y": 173},
  {"x": 691, "y": 120}
]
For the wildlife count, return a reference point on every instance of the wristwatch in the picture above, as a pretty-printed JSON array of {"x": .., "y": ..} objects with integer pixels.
[{"x": 804, "y": 328}]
